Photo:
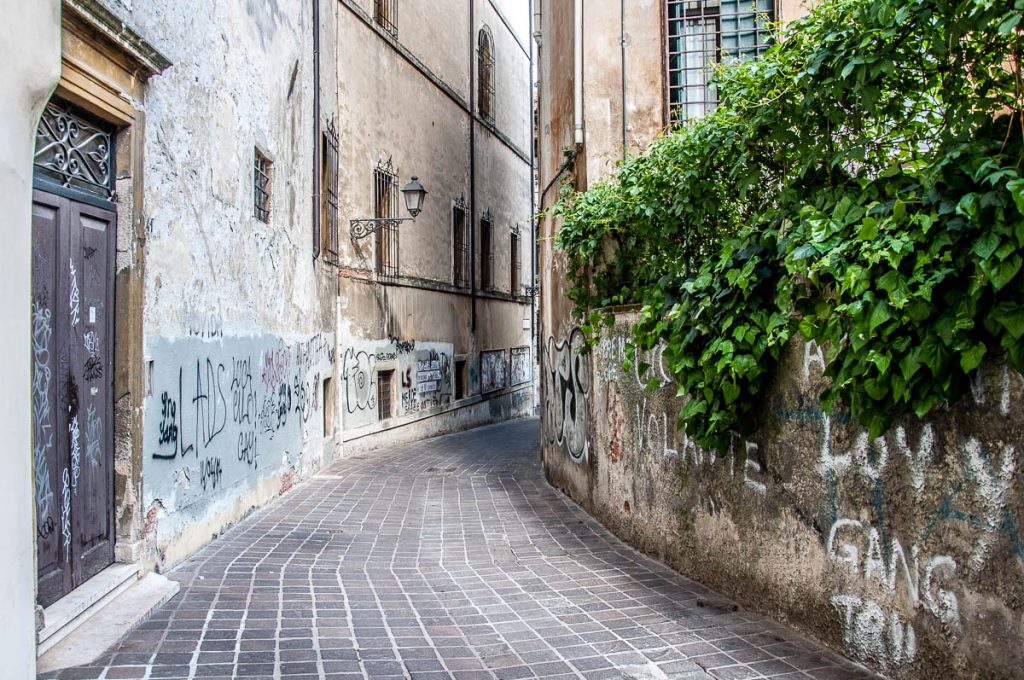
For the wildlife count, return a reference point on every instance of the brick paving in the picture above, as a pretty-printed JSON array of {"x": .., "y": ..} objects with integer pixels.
[{"x": 446, "y": 558}]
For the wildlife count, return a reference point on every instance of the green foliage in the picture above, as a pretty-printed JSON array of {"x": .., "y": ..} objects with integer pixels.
[{"x": 861, "y": 184}]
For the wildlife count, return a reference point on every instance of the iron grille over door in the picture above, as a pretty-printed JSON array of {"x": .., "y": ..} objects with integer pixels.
[
  {"x": 329, "y": 196},
  {"x": 702, "y": 33},
  {"x": 460, "y": 250},
  {"x": 486, "y": 251},
  {"x": 385, "y": 200},
  {"x": 74, "y": 152}
]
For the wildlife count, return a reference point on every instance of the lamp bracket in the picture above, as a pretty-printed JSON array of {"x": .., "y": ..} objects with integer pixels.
[{"x": 364, "y": 227}]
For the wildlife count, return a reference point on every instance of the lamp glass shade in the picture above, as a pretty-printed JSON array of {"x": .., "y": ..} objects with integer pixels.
[{"x": 414, "y": 194}]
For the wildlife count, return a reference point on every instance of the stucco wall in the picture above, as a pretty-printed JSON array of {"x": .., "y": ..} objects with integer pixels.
[
  {"x": 406, "y": 99},
  {"x": 226, "y": 293},
  {"x": 904, "y": 552},
  {"x": 30, "y": 33}
]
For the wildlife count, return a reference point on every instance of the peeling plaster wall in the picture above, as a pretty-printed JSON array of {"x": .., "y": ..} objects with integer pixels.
[
  {"x": 224, "y": 290},
  {"x": 31, "y": 38},
  {"x": 904, "y": 552}
]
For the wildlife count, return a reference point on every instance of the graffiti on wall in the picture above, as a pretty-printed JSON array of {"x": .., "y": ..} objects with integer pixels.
[
  {"x": 566, "y": 375},
  {"x": 914, "y": 521},
  {"x": 227, "y": 413},
  {"x": 424, "y": 377},
  {"x": 493, "y": 370},
  {"x": 521, "y": 366}
]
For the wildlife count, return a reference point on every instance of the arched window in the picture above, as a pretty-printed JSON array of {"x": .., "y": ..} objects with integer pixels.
[{"x": 485, "y": 74}]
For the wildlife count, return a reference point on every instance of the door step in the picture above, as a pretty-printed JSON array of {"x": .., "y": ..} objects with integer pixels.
[{"x": 113, "y": 606}]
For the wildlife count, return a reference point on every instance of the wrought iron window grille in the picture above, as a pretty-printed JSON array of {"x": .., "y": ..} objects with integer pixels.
[
  {"x": 385, "y": 13},
  {"x": 75, "y": 151},
  {"x": 485, "y": 74},
  {"x": 517, "y": 265},
  {"x": 702, "y": 33},
  {"x": 460, "y": 244},
  {"x": 329, "y": 195},
  {"x": 386, "y": 220},
  {"x": 261, "y": 186},
  {"x": 486, "y": 251}
]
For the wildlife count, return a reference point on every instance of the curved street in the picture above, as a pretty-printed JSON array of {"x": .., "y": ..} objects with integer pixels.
[{"x": 449, "y": 557}]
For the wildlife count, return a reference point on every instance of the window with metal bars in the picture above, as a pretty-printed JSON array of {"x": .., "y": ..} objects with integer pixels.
[
  {"x": 485, "y": 74},
  {"x": 385, "y": 380},
  {"x": 702, "y": 33},
  {"x": 460, "y": 245},
  {"x": 329, "y": 195},
  {"x": 261, "y": 186},
  {"x": 385, "y": 201},
  {"x": 486, "y": 251},
  {"x": 385, "y": 13},
  {"x": 516, "y": 263}
]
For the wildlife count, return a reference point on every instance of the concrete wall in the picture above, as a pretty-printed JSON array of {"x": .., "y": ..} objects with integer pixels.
[
  {"x": 30, "y": 33},
  {"x": 227, "y": 295},
  {"x": 904, "y": 552},
  {"x": 407, "y": 99}
]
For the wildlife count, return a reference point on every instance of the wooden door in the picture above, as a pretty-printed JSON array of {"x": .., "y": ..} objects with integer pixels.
[{"x": 72, "y": 390}]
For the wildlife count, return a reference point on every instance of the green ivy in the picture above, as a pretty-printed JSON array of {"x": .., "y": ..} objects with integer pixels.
[{"x": 860, "y": 184}]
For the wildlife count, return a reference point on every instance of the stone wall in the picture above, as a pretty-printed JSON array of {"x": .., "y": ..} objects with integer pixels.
[{"x": 904, "y": 552}]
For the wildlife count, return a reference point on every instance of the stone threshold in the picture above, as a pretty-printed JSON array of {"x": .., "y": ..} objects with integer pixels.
[{"x": 112, "y": 603}]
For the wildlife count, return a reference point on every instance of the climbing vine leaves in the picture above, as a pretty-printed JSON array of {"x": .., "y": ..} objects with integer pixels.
[{"x": 860, "y": 184}]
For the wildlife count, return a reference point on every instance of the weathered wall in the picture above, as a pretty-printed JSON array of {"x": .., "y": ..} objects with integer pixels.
[
  {"x": 30, "y": 34},
  {"x": 904, "y": 552},
  {"x": 223, "y": 417},
  {"x": 408, "y": 98},
  {"x": 224, "y": 290}
]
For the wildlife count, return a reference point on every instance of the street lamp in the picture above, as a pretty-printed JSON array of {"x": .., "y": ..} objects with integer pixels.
[{"x": 414, "y": 193}]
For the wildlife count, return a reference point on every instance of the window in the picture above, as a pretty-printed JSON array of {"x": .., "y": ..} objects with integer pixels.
[
  {"x": 261, "y": 186},
  {"x": 460, "y": 245},
  {"x": 486, "y": 252},
  {"x": 485, "y": 74},
  {"x": 516, "y": 262},
  {"x": 702, "y": 33},
  {"x": 460, "y": 378},
  {"x": 329, "y": 195},
  {"x": 328, "y": 402},
  {"x": 385, "y": 379},
  {"x": 385, "y": 201},
  {"x": 385, "y": 13}
]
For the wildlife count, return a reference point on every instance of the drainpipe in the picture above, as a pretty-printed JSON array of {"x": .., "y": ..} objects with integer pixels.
[
  {"x": 535, "y": 30},
  {"x": 622, "y": 42},
  {"x": 578, "y": 71},
  {"x": 316, "y": 128},
  {"x": 534, "y": 224}
]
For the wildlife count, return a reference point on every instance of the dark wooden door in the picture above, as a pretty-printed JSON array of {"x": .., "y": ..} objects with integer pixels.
[{"x": 72, "y": 390}]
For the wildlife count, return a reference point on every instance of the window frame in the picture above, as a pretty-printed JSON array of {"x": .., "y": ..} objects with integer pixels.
[
  {"x": 262, "y": 185},
  {"x": 516, "y": 268},
  {"x": 385, "y": 206},
  {"x": 385, "y": 13},
  {"x": 329, "y": 195},
  {"x": 486, "y": 251},
  {"x": 680, "y": 14},
  {"x": 460, "y": 244},
  {"x": 485, "y": 73}
]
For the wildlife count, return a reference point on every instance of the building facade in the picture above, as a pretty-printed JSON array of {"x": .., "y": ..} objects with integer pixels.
[
  {"x": 205, "y": 329},
  {"x": 899, "y": 551},
  {"x": 435, "y": 324}
]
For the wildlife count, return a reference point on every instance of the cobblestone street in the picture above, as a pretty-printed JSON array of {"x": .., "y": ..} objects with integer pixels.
[{"x": 450, "y": 557}]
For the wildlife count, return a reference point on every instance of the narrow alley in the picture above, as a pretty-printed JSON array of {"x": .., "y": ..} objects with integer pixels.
[{"x": 449, "y": 557}]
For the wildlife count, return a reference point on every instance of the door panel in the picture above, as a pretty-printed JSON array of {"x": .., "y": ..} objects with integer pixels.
[
  {"x": 92, "y": 236},
  {"x": 73, "y": 250},
  {"x": 48, "y": 414}
]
